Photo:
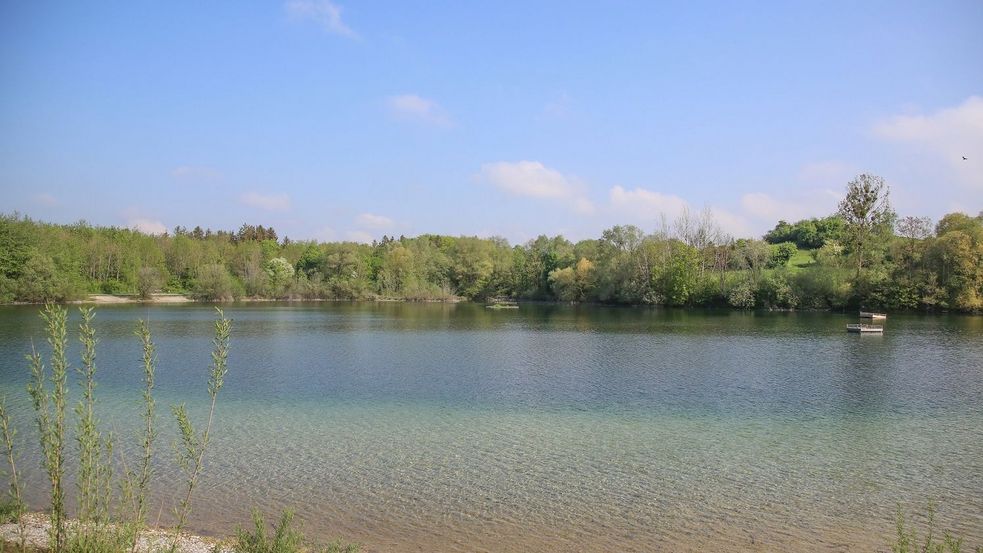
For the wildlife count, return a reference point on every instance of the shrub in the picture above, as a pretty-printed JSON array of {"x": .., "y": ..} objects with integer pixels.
[
  {"x": 148, "y": 281},
  {"x": 283, "y": 540},
  {"x": 742, "y": 296},
  {"x": 781, "y": 253},
  {"x": 907, "y": 537},
  {"x": 214, "y": 283}
]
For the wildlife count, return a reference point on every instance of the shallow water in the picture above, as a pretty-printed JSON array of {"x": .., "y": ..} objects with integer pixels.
[{"x": 437, "y": 427}]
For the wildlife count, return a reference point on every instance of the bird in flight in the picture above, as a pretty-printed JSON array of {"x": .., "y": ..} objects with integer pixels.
[{"x": 964, "y": 158}]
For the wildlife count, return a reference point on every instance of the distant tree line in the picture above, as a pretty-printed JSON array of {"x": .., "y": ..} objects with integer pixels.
[{"x": 862, "y": 256}]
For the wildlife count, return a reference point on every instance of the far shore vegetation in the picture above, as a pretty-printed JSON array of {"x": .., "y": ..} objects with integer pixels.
[{"x": 864, "y": 256}]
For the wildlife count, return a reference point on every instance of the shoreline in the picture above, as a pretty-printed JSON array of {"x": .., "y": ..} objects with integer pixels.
[
  {"x": 37, "y": 525},
  {"x": 178, "y": 299}
]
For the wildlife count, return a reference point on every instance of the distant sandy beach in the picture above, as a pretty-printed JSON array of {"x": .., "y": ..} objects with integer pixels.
[{"x": 154, "y": 298}]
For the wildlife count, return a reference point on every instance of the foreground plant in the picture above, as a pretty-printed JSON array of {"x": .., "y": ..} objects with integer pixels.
[
  {"x": 104, "y": 526},
  {"x": 14, "y": 508},
  {"x": 49, "y": 408},
  {"x": 94, "y": 480},
  {"x": 907, "y": 537},
  {"x": 284, "y": 539},
  {"x": 137, "y": 483},
  {"x": 193, "y": 445}
]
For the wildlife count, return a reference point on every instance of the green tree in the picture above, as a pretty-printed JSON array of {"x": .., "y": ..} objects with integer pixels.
[
  {"x": 914, "y": 230},
  {"x": 214, "y": 283},
  {"x": 573, "y": 283},
  {"x": 279, "y": 271},
  {"x": 781, "y": 254},
  {"x": 958, "y": 264},
  {"x": 311, "y": 260},
  {"x": 678, "y": 279},
  {"x": 866, "y": 212},
  {"x": 149, "y": 280},
  {"x": 752, "y": 256}
]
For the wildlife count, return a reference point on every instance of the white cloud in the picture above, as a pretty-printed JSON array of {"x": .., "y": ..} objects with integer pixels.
[
  {"x": 196, "y": 173},
  {"x": 326, "y": 234},
  {"x": 147, "y": 226},
  {"x": 559, "y": 107},
  {"x": 268, "y": 202},
  {"x": 647, "y": 203},
  {"x": 527, "y": 178},
  {"x": 944, "y": 137},
  {"x": 323, "y": 12},
  {"x": 763, "y": 206},
  {"x": 583, "y": 206},
  {"x": 732, "y": 223},
  {"x": 416, "y": 108},
  {"x": 46, "y": 199},
  {"x": 359, "y": 236},
  {"x": 649, "y": 208},
  {"x": 370, "y": 220},
  {"x": 766, "y": 210},
  {"x": 532, "y": 179}
]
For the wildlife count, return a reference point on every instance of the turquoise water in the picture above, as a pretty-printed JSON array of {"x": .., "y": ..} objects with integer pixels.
[{"x": 554, "y": 428}]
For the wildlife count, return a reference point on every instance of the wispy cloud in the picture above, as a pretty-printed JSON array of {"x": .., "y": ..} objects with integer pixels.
[
  {"x": 359, "y": 236},
  {"x": 372, "y": 221},
  {"x": 559, "y": 107},
  {"x": 268, "y": 202},
  {"x": 647, "y": 203},
  {"x": 763, "y": 206},
  {"x": 649, "y": 207},
  {"x": 147, "y": 226},
  {"x": 532, "y": 179},
  {"x": 411, "y": 107},
  {"x": 946, "y": 136},
  {"x": 325, "y": 13},
  {"x": 195, "y": 173},
  {"x": 326, "y": 234},
  {"x": 137, "y": 219},
  {"x": 45, "y": 199}
]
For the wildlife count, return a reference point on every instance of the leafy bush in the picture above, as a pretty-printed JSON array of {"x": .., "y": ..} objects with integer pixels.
[
  {"x": 284, "y": 539},
  {"x": 742, "y": 296},
  {"x": 774, "y": 291},
  {"x": 907, "y": 537},
  {"x": 781, "y": 253},
  {"x": 149, "y": 280},
  {"x": 214, "y": 283}
]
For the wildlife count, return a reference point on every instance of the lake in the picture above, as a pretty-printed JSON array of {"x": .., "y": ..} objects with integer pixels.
[{"x": 443, "y": 427}]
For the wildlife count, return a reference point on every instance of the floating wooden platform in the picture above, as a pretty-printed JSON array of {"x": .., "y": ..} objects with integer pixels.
[
  {"x": 873, "y": 316},
  {"x": 864, "y": 329}
]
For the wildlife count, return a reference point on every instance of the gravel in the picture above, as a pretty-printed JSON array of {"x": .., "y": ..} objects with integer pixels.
[{"x": 36, "y": 526}]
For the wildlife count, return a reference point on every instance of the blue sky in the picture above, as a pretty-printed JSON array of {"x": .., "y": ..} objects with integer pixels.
[{"x": 348, "y": 120}]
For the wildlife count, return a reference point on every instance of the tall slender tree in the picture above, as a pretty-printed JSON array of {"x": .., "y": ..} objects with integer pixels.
[{"x": 866, "y": 211}]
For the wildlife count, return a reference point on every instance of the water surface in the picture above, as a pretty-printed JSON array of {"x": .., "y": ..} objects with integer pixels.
[{"x": 437, "y": 427}]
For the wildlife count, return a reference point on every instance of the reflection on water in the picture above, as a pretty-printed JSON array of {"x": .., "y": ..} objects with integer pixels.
[{"x": 557, "y": 428}]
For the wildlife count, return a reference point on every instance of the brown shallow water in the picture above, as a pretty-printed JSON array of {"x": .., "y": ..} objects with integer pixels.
[{"x": 455, "y": 428}]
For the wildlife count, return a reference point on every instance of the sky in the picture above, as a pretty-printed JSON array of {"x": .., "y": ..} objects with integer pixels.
[{"x": 347, "y": 120}]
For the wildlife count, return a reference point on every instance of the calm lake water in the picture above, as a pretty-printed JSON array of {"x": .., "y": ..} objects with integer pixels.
[{"x": 433, "y": 427}]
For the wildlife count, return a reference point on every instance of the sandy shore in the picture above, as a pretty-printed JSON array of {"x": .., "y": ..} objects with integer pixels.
[
  {"x": 154, "y": 298},
  {"x": 109, "y": 299},
  {"x": 37, "y": 525}
]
